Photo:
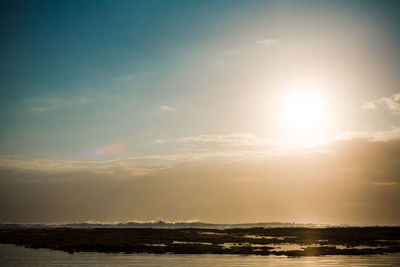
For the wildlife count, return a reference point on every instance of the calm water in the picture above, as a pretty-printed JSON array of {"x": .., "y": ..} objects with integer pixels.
[{"x": 11, "y": 255}]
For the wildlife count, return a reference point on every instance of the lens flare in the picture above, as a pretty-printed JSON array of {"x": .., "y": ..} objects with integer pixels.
[{"x": 112, "y": 149}]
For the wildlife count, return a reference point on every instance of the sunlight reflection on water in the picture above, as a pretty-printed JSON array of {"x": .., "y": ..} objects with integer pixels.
[{"x": 11, "y": 255}]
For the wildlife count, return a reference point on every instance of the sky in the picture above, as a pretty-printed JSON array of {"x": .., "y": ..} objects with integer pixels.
[{"x": 214, "y": 111}]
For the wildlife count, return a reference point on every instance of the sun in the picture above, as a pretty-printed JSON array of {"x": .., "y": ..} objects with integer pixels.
[{"x": 303, "y": 113}]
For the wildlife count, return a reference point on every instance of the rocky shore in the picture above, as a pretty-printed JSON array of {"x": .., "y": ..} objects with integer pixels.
[{"x": 251, "y": 241}]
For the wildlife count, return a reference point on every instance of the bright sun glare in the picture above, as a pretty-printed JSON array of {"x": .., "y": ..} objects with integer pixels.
[{"x": 303, "y": 113}]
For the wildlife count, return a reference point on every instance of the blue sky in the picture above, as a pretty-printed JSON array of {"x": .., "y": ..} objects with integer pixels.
[
  {"x": 157, "y": 88},
  {"x": 77, "y": 75},
  {"x": 119, "y": 56}
]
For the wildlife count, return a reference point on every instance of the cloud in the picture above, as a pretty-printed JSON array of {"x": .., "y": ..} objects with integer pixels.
[
  {"x": 47, "y": 170},
  {"x": 224, "y": 178},
  {"x": 268, "y": 42},
  {"x": 166, "y": 108},
  {"x": 234, "y": 139},
  {"x": 334, "y": 185},
  {"x": 379, "y": 136},
  {"x": 250, "y": 146},
  {"x": 391, "y": 103},
  {"x": 369, "y": 105},
  {"x": 237, "y": 140},
  {"x": 43, "y": 104}
]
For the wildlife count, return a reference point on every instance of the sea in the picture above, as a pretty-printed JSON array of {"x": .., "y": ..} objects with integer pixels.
[{"x": 12, "y": 255}]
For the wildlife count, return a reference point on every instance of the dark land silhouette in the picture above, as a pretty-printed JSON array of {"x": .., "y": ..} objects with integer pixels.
[{"x": 257, "y": 241}]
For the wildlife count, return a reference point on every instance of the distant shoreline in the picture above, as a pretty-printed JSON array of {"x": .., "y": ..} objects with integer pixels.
[
  {"x": 288, "y": 241},
  {"x": 182, "y": 224}
]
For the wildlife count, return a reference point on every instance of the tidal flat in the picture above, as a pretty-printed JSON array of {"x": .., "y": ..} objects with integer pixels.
[{"x": 244, "y": 241}]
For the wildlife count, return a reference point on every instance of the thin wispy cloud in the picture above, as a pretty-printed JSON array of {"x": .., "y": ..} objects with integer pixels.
[
  {"x": 234, "y": 139},
  {"x": 166, "y": 108},
  {"x": 251, "y": 140},
  {"x": 377, "y": 136},
  {"x": 249, "y": 146},
  {"x": 268, "y": 42},
  {"x": 123, "y": 167},
  {"x": 369, "y": 105},
  {"x": 383, "y": 149},
  {"x": 42, "y": 104}
]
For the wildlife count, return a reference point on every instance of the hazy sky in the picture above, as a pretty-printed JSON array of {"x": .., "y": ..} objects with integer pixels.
[{"x": 219, "y": 111}]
